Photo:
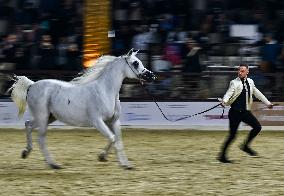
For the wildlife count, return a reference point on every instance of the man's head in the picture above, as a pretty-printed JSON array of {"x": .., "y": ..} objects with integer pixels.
[{"x": 243, "y": 71}]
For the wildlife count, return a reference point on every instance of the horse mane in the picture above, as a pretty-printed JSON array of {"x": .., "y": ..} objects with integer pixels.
[{"x": 95, "y": 71}]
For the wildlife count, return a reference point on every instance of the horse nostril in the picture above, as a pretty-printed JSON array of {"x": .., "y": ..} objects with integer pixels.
[{"x": 153, "y": 76}]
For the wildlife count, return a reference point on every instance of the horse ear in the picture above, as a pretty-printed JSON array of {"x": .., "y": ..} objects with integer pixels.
[
  {"x": 130, "y": 52},
  {"x": 135, "y": 52}
]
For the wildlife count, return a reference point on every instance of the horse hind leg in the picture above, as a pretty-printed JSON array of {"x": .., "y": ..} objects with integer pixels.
[
  {"x": 43, "y": 147},
  {"x": 29, "y": 126},
  {"x": 43, "y": 118}
]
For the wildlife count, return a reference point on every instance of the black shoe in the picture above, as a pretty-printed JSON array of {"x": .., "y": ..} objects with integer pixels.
[
  {"x": 248, "y": 150},
  {"x": 223, "y": 159}
]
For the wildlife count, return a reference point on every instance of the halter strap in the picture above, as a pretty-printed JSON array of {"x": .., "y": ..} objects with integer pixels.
[{"x": 138, "y": 76}]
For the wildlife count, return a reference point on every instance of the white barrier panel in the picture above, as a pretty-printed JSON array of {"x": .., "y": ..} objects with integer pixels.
[
  {"x": 148, "y": 114},
  {"x": 141, "y": 113},
  {"x": 9, "y": 115}
]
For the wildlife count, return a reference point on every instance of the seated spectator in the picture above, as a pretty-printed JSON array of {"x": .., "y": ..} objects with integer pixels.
[
  {"x": 62, "y": 48},
  {"x": 178, "y": 35},
  {"x": 173, "y": 54},
  {"x": 21, "y": 58},
  {"x": 73, "y": 53},
  {"x": 159, "y": 65},
  {"x": 140, "y": 40},
  {"x": 203, "y": 37},
  {"x": 46, "y": 53},
  {"x": 9, "y": 51}
]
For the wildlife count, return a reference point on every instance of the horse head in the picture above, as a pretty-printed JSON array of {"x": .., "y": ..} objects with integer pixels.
[{"x": 136, "y": 68}]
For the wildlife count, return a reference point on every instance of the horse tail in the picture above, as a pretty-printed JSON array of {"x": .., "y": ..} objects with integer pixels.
[{"x": 19, "y": 92}]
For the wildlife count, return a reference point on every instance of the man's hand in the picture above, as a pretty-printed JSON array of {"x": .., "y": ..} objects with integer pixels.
[
  {"x": 270, "y": 106},
  {"x": 221, "y": 100}
]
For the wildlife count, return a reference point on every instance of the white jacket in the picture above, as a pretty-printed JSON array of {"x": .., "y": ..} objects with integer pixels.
[{"x": 235, "y": 90}]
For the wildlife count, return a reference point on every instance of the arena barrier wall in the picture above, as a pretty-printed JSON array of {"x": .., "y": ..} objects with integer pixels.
[{"x": 147, "y": 115}]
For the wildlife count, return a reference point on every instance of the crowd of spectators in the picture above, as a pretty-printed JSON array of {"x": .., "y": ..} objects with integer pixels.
[
  {"x": 177, "y": 36},
  {"x": 41, "y": 34},
  {"x": 47, "y": 34},
  {"x": 182, "y": 31},
  {"x": 181, "y": 36}
]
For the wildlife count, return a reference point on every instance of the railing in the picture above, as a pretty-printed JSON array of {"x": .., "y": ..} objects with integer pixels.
[{"x": 170, "y": 86}]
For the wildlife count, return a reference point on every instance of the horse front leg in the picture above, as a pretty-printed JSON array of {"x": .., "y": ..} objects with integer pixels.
[
  {"x": 103, "y": 155},
  {"x": 119, "y": 145},
  {"x": 113, "y": 139},
  {"x": 29, "y": 125},
  {"x": 105, "y": 131}
]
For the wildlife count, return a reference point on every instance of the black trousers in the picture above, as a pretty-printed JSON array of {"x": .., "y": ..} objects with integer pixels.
[{"x": 235, "y": 118}]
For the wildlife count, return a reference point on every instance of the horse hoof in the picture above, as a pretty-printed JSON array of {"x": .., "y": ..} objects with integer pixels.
[
  {"x": 127, "y": 167},
  {"x": 54, "y": 166},
  {"x": 102, "y": 157},
  {"x": 25, "y": 154}
]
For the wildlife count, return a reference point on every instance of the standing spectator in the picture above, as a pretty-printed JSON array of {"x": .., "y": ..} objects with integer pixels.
[
  {"x": 191, "y": 59},
  {"x": 280, "y": 67},
  {"x": 270, "y": 53},
  {"x": 192, "y": 66}
]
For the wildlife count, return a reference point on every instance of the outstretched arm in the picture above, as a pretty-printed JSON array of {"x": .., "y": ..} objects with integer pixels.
[{"x": 261, "y": 97}]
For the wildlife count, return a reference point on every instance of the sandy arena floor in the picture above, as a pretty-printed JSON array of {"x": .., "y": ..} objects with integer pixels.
[{"x": 166, "y": 163}]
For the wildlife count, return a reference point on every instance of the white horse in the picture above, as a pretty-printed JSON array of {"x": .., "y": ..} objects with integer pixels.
[{"x": 91, "y": 100}]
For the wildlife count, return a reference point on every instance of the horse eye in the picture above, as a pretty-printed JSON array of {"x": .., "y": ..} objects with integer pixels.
[{"x": 135, "y": 64}]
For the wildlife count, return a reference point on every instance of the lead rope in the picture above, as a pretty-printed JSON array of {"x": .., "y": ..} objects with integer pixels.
[{"x": 186, "y": 116}]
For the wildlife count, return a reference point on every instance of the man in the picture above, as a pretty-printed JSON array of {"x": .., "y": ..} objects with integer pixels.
[{"x": 239, "y": 97}]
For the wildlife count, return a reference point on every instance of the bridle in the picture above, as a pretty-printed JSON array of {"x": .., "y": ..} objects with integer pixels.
[{"x": 139, "y": 76}]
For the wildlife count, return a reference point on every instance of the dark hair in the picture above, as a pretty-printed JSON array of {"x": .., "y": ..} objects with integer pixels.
[{"x": 244, "y": 65}]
